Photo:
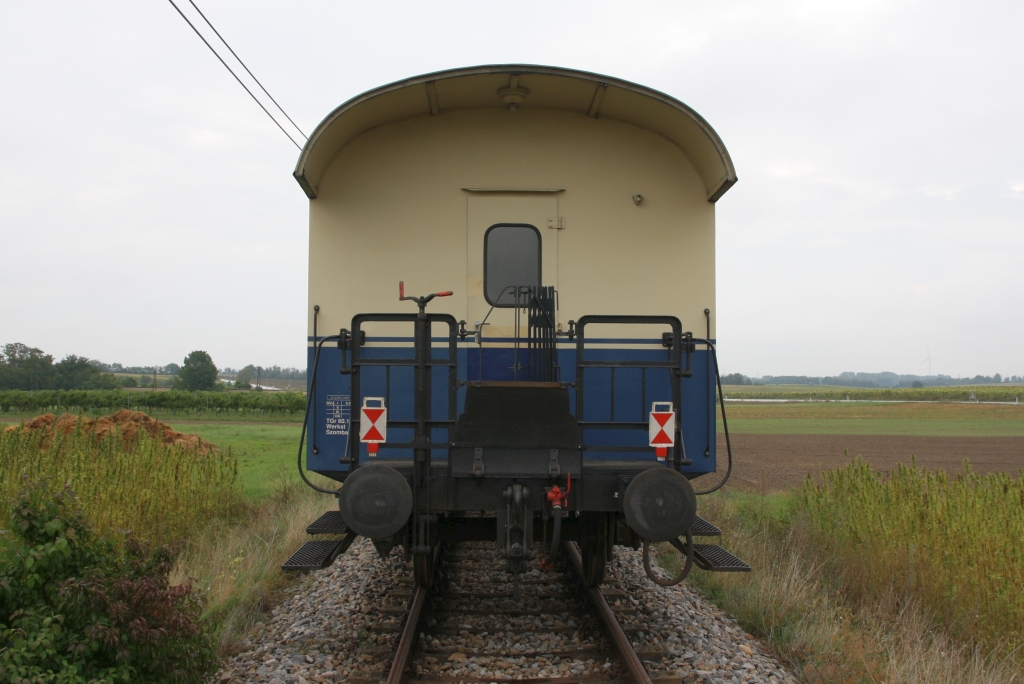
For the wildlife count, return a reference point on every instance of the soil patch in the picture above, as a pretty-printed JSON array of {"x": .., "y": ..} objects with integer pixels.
[
  {"x": 776, "y": 462},
  {"x": 128, "y": 423}
]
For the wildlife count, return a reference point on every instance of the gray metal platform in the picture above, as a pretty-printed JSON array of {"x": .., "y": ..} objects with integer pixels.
[
  {"x": 330, "y": 522},
  {"x": 318, "y": 554},
  {"x": 716, "y": 559},
  {"x": 702, "y": 528},
  {"x": 313, "y": 555}
]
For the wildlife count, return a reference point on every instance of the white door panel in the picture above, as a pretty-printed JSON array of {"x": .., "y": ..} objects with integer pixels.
[{"x": 486, "y": 211}]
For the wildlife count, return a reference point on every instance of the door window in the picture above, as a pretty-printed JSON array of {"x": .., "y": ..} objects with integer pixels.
[{"x": 511, "y": 260}]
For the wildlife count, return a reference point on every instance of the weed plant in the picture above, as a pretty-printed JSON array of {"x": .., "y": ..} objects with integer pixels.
[
  {"x": 956, "y": 545},
  {"x": 158, "y": 491},
  {"x": 913, "y": 578}
]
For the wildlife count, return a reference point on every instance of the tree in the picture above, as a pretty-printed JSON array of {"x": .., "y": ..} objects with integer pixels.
[
  {"x": 25, "y": 368},
  {"x": 74, "y": 372},
  {"x": 198, "y": 372},
  {"x": 243, "y": 380},
  {"x": 77, "y": 372}
]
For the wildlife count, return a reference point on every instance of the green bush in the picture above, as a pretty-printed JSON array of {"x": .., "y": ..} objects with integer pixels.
[
  {"x": 76, "y": 606},
  {"x": 57, "y": 401}
]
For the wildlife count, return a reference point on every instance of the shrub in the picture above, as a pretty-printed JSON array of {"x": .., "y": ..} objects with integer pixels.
[{"x": 76, "y": 606}]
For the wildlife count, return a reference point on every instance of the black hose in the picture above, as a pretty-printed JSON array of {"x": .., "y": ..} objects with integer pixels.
[
  {"x": 309, "y": 402},
  {"x": 556, "y": 537},
  {"x": 682, "y": 573},
  {"x": 725, "y": 423}
]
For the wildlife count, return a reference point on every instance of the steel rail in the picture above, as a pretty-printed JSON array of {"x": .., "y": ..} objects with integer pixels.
[
  {"x": 405, "y": 644},
  {"x": 629, "y": 657}
]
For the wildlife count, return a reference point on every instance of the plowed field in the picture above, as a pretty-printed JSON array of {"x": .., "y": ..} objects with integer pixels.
[{"x": 778, "y": 461}]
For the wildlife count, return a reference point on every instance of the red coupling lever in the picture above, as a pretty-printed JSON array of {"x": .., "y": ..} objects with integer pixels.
[{"x": 559, "y": 499}]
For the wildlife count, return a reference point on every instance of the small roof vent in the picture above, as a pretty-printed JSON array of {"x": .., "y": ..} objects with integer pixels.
[{"x": 513, "y": 94}]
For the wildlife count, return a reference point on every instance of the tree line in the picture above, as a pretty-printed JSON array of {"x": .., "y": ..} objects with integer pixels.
[
  {"x": 31, "y": 369},
  {"x": 27, "y": 368},
  {"x": 870, "y": 380},
  {"x": 54, "y": 401}
]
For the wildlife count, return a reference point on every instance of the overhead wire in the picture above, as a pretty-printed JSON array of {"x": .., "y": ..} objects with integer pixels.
[
  {"x": 240, "y": 82},
  {"x": 214, "y": 28}
]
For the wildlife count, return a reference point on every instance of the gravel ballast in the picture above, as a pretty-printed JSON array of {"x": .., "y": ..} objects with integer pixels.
[{"x": 341, "y": 624}]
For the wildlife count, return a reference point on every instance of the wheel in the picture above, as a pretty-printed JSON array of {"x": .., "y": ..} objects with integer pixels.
[
  {"x": 593, "y": 547},
  {"x": 423, "y": 565},
  {"x": 593, "y": 566}
]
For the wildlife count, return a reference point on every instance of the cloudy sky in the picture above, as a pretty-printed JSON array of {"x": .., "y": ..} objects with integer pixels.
[{"x": 147, "y": 206}]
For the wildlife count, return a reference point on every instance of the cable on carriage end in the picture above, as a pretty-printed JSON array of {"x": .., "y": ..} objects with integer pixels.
[
  {"x": 721, "y": 401},
  {"x": 305, "y": 420}
]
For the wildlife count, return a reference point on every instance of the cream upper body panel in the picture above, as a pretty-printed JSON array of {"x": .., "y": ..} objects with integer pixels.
[{"x": 395, "y": 203}]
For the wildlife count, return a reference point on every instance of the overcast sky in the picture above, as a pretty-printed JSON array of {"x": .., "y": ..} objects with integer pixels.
[{"x": 147, "y": 206}]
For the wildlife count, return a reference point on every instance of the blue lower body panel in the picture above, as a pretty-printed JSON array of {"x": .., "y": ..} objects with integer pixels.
[{"x": 609, "y": 395}]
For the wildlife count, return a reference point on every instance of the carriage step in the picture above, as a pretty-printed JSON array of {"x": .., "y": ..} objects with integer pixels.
[
  {"x": 716, "y": 559},
  {"x": 702, "y": 528},
  {"x": 330, "y": 522},
  {"x": 316, "y": 555}
]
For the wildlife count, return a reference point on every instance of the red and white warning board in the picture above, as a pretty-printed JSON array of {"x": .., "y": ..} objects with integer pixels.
[
  {"x": 373, "y": 422},
  {"x": 661, "y": 427}
]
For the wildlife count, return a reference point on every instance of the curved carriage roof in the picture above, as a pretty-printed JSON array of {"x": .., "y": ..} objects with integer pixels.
[{"x": 526, "y": 87}]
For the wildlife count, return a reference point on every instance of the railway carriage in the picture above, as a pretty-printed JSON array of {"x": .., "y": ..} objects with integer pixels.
[{"x": 512, "y": 317}]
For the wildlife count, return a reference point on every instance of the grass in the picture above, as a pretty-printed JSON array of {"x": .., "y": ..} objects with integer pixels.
[
  {"x": 730, "y": 390},
  {"x": 158, "y": 491},
  {"x": 921, "y": 419},
  {"x": 959, "y": 393},
  {"x": 265, "y": 452},
  {"x": 237, "y": 561},
  {"x": 914, "y": 579}
]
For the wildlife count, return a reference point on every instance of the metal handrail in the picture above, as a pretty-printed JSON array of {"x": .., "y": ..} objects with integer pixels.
[
  {"x": 358, "y": 362},
  {"x": 680, "y": 346}
]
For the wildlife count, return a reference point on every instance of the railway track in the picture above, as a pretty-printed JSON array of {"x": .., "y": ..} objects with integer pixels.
[
  {"x": 344, "y": 623},
  {"x": 472, "y": 630}
]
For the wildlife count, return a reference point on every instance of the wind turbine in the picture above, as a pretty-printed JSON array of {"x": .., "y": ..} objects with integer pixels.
[{"x": 929, "y": 360}]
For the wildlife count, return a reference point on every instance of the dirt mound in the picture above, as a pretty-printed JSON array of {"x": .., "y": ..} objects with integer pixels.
[{"x": 128, "y": 423}]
